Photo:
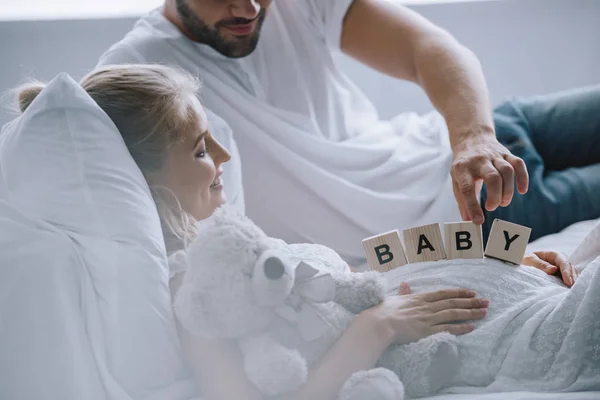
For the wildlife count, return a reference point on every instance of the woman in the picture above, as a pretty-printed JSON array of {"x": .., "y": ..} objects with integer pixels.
[{"x": 166, "y": 131}]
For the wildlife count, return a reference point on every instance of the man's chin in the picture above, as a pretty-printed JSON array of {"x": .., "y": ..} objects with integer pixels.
[{"x": 239, "y": 46}]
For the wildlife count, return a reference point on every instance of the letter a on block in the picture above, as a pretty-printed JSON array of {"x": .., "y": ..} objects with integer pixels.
[
  {"x": 463, "y": 240},
  {"x": 424, "y": 243},
  {"x": 384, "y": 252},
  {"x": 507, "y": 241}
]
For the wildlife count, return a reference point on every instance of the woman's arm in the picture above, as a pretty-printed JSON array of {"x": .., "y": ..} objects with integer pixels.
[
  {"x": 399, "y": 319},
  {"x": 358, "y": 349},
  {"x": 217, "y": 363},
  {"x": 218, "y": 368}
]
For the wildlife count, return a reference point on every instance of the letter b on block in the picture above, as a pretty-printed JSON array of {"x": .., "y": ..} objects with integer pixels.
[
  {"x": 384, "y": 252},
  {"x": 507, "y": 241},
  {"x": 463, "y": 240}
]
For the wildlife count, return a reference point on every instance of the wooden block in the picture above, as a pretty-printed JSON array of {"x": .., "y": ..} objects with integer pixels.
[
  {"x": 463, "y": 240},
  {"x": 424, "y": 243},
  {"x": 384, "y": 252},
  {"x": 507, "y": 241}
]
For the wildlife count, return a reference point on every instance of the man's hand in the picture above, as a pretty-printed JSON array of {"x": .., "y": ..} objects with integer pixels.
[
  {"x": 553, "y": 263},
  {"x": 399, "y": 42},
  {"x": 481, "y": 158}
]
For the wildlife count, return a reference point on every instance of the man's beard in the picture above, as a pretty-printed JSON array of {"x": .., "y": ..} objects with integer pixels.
[{"x": 200, "y": 32}]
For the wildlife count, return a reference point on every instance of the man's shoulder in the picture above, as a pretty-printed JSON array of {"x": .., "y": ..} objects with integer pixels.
[{"x": 146, "y": 42}]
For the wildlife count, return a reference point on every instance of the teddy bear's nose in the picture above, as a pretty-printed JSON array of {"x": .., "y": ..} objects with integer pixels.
[{"x": 274, "y": 268}]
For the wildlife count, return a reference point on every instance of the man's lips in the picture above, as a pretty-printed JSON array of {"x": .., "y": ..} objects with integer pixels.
[{"x": 242, "y": 29}]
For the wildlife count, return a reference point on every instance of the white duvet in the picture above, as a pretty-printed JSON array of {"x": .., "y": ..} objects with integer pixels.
[{"x": 539, "y": 335}]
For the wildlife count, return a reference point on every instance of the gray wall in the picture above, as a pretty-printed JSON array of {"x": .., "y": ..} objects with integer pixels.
[{"x": 526, "y": 47}]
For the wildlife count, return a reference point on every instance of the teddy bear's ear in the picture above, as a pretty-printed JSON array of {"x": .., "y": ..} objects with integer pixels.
[
  {"x": 311, "y": 285},
  {"x": 305, "y": 271}
]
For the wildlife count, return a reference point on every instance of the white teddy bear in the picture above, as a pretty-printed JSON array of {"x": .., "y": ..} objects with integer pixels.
[{"x": 286, "y": 305}]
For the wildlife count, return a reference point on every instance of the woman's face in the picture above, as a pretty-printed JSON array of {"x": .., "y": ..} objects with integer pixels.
[{"x": 193, "y": 169}]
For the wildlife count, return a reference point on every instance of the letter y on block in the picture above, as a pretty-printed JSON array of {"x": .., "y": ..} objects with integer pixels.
[{"x": 507, "y": 241}]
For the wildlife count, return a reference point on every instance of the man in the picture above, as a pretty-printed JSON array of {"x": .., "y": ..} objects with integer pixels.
[{"x": 319, "y": 165}]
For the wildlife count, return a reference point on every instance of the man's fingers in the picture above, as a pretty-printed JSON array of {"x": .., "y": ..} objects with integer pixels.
[
  {"x": 404, "y": 288},
  {"x": 508, "y": 180},
  {"x": 448, "y": 294},
  {"x": 461, "y": 204},
  {"x": 520, "y": 172},
  {"x": 454, "y": 329},
  {"x": 493, "y": 183},
  {"x": 467, "y": 192}
]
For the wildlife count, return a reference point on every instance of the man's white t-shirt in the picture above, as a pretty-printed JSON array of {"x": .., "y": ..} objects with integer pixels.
[{"x": 318, "y": 164}]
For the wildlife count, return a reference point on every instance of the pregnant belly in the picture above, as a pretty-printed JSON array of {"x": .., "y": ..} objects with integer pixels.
[{"x": 516, "y": 293}]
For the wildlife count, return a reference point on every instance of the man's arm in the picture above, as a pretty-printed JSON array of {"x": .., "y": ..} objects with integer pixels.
[{"x": 398, "y": 42}]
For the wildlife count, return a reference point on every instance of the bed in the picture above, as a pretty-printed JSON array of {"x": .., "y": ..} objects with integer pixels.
[
  {"x": 85, "y": 294},
  {"x": 521, "y": 396},
  {"x": 565, "y": 241}
]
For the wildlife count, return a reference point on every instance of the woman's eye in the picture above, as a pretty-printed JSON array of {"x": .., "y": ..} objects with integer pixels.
[{"x": 203, "y": 149}]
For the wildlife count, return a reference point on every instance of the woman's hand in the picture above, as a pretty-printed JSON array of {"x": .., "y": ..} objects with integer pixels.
[
  {"x": 406, "y": 317},
  {"x": 553, "y": 263}
]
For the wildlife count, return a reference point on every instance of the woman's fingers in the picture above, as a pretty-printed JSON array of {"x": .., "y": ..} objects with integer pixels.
[
  {"x": 533, "y": 260},
  {"x": 458, "y": 304},
  {"x": 567, "y": 271},
  {"x": 448, "y": 294},
  {"x": 404, "y": 289},
  {"x": 454, "y": 329},
  {"x": 456, "y": 315},
  {"x": 558, "y": 262}
]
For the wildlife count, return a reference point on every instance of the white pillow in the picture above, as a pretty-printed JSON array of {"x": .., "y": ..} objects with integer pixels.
[
  {"x": 87, "y": 226},
  {"x": 45, "y": 310}
]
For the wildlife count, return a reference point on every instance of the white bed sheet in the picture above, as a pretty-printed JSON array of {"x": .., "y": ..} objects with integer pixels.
[
  {"x": 520, "y": 396},
  {"x": 565, "y": 241}
]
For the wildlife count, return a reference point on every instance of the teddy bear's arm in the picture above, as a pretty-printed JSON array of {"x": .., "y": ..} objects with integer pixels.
[
  {"x": 272, "y": 367},
  {"x": 359, "y": 291}
]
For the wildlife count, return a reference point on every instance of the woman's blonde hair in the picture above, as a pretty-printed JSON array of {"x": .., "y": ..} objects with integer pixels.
[{"x": 151, "y": 105}]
